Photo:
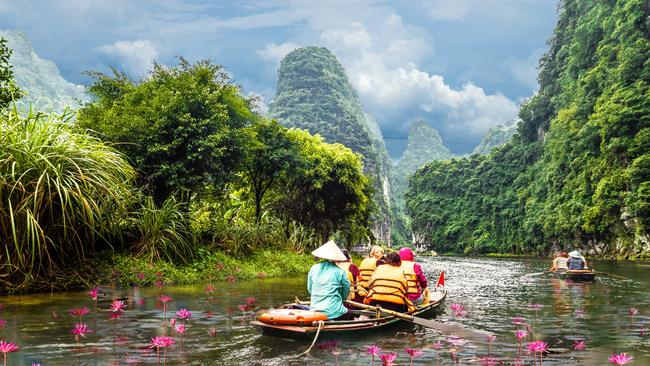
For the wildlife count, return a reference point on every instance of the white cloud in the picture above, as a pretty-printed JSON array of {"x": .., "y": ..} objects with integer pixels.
[
  {"x": 448, "y": 9},
  {"x": 384, "y": 70},
  {"x": 136, "y": 57},
  {"x": 276, "y": 52}
]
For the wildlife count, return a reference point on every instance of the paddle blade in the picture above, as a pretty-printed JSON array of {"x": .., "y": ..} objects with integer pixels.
[{"x": 452, "y": 329}]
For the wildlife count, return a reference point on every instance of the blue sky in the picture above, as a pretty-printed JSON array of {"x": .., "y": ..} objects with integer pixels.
[{"x": 461, "y": 65}]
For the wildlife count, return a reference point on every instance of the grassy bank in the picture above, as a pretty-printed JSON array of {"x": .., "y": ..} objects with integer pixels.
[{"x": 110, "y": 268}]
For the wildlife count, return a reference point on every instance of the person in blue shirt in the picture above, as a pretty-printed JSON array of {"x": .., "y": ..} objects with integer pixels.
[
  {"x": 328, "y": 283},
  {"x": 576, "y": 261}
]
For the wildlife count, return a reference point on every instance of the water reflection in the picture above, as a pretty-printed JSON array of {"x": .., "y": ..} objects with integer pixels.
[{"x": 493, "y": 291}]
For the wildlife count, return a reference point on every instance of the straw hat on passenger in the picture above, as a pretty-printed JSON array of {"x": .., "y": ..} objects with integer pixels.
[
  {"x": 576, "y": 254},
  {"x": 329, "y": 251}
]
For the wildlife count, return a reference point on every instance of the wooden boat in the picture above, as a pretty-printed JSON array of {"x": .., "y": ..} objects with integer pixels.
[
  {"x": 373, "y": 321},
  {"x": 576, "y": 274}
]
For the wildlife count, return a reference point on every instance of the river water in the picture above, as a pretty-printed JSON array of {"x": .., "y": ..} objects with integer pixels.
[{"x": 493, "y": 291}]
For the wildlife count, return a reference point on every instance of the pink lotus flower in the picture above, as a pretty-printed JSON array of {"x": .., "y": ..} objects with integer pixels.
[
  {"x": 490, "y": 339},
  {"x": 115, "y": 316},
  {"x": 520, "y": 334},
  {"x": 80, "y": 330},
  {"x": 537, "y": 346},
  {"x": 93, "y": 293},
  {"x": 437, "y": 345},
  {"x": 172, "y": 322},
  {"x": 518, "y": 320},
  {"x": 457, "y": 307},
  {"x": 579, "y": 345},
  {"x": 164, "y": 298},
  {"x": 161, "y": 342},
  {"x": 212, "y": 332},
  {"x": 183, "y": 314},
  {"x": 231, "y": 279},
  {"x": 180, "y": 328},
  {"x": 413, "y": 353},
  {"x": 210, "y": 289},
  {"x": 250, "y": 301},
  {"x": 159, "y": 274},
  {"x": 140, "y": 276},
  {"x": 242, "y": 307},
  {"x": 487, "y": 361},
  {"x": 621, "y": 359},
  {"x": 374, "y": 350},
  {"x": 159, "y": 283},
  {"x": 7, "y": 347},
  {"x": 117, "y": 306},
  {"x": 387, "y": 359},
  {"x": 460, "y": 313},
  {"x": 633, "y": 311},
  {"x": 3, "y": 323}
]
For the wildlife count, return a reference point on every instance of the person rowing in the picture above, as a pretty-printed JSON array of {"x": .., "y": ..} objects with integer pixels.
[
  {"x": 576, "y": 261},
  {"x": 328, "y": 284}
]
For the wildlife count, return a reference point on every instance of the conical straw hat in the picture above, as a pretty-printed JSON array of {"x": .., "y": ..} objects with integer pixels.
[{"x": 330, "y": 252}]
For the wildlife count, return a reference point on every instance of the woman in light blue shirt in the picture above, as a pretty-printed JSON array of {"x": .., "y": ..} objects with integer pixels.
[{"x": 328, "y": 284}]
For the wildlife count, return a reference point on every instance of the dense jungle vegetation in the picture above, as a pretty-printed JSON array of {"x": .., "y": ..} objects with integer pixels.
[
  {"x": 577, "y": 173},
  {"x": 176, "y": 169}
]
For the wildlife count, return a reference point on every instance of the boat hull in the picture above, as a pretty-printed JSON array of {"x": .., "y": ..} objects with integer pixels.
[
  {"x": 577, "y": 275},
  {"x": 352, "y": 326}
]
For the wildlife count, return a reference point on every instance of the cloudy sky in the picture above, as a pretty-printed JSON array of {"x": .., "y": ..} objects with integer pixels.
[{"x": 461, "y": 65}]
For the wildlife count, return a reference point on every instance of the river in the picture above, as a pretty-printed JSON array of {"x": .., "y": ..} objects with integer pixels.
[{"x": 492, "y": 290}]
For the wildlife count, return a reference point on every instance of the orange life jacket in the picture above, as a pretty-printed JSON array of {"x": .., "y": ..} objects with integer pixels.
[
  {"x": 412, "y": 279},
  {"x": 389, "y": 284},
  {"x": 353, "y": 284},
  {"x": 366, "y": 269}
]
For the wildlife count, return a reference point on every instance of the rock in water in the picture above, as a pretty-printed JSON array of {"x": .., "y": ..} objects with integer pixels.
[
  {"x": 314, "y": 94},
  {"x": 46, "y": 89}
]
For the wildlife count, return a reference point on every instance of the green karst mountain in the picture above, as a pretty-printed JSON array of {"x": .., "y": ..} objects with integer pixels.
[
  {"x": 424, "y": 145},
  {"x": 314, "y": 94},
  {"x": 577, "y": 173},
  {"x": 496, "y": 136},
  {"x": 46, "y": 89}
]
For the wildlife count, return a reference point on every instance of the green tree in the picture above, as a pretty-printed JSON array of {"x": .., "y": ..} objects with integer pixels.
[
  {"x": 182, "y": 127},
  {"x": 270, "y": 156},
  {"x": 327, "y": 191},
  {"x": 8, "y": 89}
]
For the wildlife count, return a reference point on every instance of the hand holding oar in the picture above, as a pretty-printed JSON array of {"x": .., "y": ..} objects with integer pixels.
[{"x": 441, "y": 327}]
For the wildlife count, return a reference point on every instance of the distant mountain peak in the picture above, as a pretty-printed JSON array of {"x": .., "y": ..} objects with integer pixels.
[
  {"x": 46, "y": 89},
  {"x": 496, "y": 136}
]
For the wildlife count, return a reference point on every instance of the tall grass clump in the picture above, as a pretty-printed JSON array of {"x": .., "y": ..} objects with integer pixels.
[
  {"x": 162, "y": 232},
  {"x": 59, "y": 189}
]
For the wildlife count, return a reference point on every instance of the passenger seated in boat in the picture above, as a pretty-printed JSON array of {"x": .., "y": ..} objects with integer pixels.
[
  {"x": 352, "y": 272},
  {"x": 388, "y": 286},
  {"x": 367, "y": 268},
  {"x": 560, "y": 262},
  {"x": 417, "y": 281},
  {"x": 576, "y": 261},
  {"x": 328, "y": 284}
]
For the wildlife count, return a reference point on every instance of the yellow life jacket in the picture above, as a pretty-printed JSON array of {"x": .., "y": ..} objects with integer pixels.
[
  {"x": 389, "y": 284},
  {"x": 412, "y": 279},
  {"x": 353, "y": 284},
  {"x": 366, "y": 269}
]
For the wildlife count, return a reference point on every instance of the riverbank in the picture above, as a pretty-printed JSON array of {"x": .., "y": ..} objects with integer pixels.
[{"x": 109, "y": 268}]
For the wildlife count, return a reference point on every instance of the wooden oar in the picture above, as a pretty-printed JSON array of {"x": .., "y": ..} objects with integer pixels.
[
  {"x": 441, "y": 327},
  {"x": 611, "y": 275}
]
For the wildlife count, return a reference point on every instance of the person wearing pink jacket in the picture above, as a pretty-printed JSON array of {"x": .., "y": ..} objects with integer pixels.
[{"x": 417, "y": 281}]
